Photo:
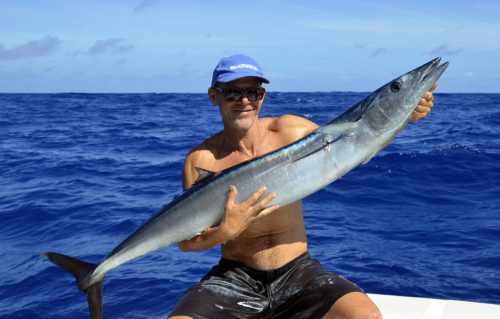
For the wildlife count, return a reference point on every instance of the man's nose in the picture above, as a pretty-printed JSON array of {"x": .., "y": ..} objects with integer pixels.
[{"x": 245, "y": 100}]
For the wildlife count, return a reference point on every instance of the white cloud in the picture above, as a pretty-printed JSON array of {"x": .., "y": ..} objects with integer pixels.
[
  {"x": 143, "y": 5},
  {"x": 378, "y": 51},
  {"x": 352, "y": 25},
  {"x": 109, "y": 46},
  {"x": 446, "y": 50},
  {"x": 35, "y": 48}
]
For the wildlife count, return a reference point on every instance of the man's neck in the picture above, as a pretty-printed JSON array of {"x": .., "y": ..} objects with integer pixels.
[{"x": 247, "y": 142}]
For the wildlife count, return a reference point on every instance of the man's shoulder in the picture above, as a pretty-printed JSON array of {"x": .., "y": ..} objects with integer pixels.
[
  {"x": 202, "y": 156},
  {"x": 292, "y": 127},
  {"x": 206, "y": 148},
  {"x": 288, "y": 121}
]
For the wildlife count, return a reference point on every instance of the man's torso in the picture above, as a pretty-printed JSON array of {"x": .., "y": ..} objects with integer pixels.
[{"x": 273, "y": 240}]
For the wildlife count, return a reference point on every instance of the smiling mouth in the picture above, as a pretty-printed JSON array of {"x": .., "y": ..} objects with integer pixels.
[{"x": 243, "y": 111}]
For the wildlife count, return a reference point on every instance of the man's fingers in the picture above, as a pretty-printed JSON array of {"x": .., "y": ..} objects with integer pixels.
[
  {"x": 422, "y": 109},
  {"x": 435, "y": 85},
  {"x": 424, "y": 101},
  {"x": 255, "y": 202},
  {"x": 428, "y": 96},
  {"x": 255, "y": 196},
  {"x": 419, "y": 113},
  {"x": 231, "y": 195},
  {"x": 267, "y": 211},
  {"x": 263, "y": 203}
]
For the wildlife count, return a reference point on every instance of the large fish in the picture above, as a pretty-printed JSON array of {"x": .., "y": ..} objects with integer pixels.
[{"x": 292, "y": 172}]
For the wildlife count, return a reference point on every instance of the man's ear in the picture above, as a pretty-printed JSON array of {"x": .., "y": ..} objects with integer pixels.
[{"x": 212, "y": 96}]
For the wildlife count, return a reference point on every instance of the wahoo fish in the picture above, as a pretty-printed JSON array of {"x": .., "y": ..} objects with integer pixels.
[{"x": 292, "y": 172}]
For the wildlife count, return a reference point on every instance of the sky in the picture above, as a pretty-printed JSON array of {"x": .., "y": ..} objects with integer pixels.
[{"x": 142, "y": 46}]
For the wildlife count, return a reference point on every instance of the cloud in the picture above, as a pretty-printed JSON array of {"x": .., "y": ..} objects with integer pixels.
[
  {"x": 355, "y": 25},
  {"x": 35, "y": 48},
  {"x": 120, "y": 62},
  {"x": 109, "y": 46},
  {"x": 143, "y": 5},
  {"x": 374, "y": 53},
  {"x": 445, "y": 50},
  {"x": 378, "y": 51}
]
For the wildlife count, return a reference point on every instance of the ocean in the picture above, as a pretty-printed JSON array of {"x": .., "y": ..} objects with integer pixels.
[{"x": 79, "y": 172}]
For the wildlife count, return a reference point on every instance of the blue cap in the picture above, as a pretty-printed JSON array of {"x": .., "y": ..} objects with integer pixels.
[{"x": 237, "y": 66}]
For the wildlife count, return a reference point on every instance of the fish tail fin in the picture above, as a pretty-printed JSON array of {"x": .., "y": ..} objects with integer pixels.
[{"x": 81, "y": 270}]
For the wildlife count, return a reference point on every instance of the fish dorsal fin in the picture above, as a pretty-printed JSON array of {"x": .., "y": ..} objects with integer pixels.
[{"x": 339, "y": 129}]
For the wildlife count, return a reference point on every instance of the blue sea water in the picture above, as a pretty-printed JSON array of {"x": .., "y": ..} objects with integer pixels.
[{"x": 81, "y": 171}]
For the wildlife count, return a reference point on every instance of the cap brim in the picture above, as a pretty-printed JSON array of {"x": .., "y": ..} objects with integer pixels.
[{"x": 228, "y": 77}]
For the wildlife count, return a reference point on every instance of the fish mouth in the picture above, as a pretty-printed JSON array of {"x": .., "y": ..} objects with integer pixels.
[{"x": 430, "y": 72}]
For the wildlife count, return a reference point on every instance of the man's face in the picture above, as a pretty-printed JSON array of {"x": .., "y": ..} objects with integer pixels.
[{"x": 240, "y": 115}]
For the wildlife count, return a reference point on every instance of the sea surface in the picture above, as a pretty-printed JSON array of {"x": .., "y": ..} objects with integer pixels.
[{"x": 79, "y": 172}]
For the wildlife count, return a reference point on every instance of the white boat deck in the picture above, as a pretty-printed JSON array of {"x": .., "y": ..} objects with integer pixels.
[{"x": 399, "y": 307}]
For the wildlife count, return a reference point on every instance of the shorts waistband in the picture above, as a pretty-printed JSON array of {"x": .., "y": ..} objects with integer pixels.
[{"x": 228, "y": 263}]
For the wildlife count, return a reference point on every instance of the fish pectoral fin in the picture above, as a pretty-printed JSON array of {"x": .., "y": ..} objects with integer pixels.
[
  {"x": 332, "y": 132},
  {"x": 336, "y": 130},
  {"x": 204, "y": 175}
]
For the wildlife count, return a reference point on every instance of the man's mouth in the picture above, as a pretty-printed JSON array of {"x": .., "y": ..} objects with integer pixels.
[{"x": 243, "y": 111}]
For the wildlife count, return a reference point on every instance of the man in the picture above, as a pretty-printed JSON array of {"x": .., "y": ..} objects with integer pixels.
[{"x": 265, "y": 270}]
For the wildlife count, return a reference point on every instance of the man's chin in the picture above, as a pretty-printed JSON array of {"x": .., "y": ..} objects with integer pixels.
[{"x": 243, "y": 124}]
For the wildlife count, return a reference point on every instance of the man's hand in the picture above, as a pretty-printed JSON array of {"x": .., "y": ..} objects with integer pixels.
[
  {"x": 424, "y": 106},
  {"x": 237, "y": 217}
]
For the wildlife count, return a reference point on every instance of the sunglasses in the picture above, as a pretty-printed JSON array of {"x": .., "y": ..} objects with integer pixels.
[{"x": 236, "y": 95}]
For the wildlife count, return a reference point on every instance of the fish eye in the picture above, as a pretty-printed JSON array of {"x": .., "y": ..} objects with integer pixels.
[{"x": 395, "y": 86}]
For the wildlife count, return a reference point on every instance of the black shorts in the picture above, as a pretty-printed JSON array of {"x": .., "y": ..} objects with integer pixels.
[{"x": 300, "y": 289}]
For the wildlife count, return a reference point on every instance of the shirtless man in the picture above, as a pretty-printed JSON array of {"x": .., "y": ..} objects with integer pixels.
[{"x": 265, "y": 270}]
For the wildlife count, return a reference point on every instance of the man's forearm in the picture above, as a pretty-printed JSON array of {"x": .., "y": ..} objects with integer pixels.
[{"x": 208, "y": 239}]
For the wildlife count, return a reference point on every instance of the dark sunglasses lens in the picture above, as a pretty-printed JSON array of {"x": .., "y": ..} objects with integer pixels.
[
  {"x": 232, "y": 95},
  {"x": 237, "y": 95},
  {"x": 254, "y": 95}
]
